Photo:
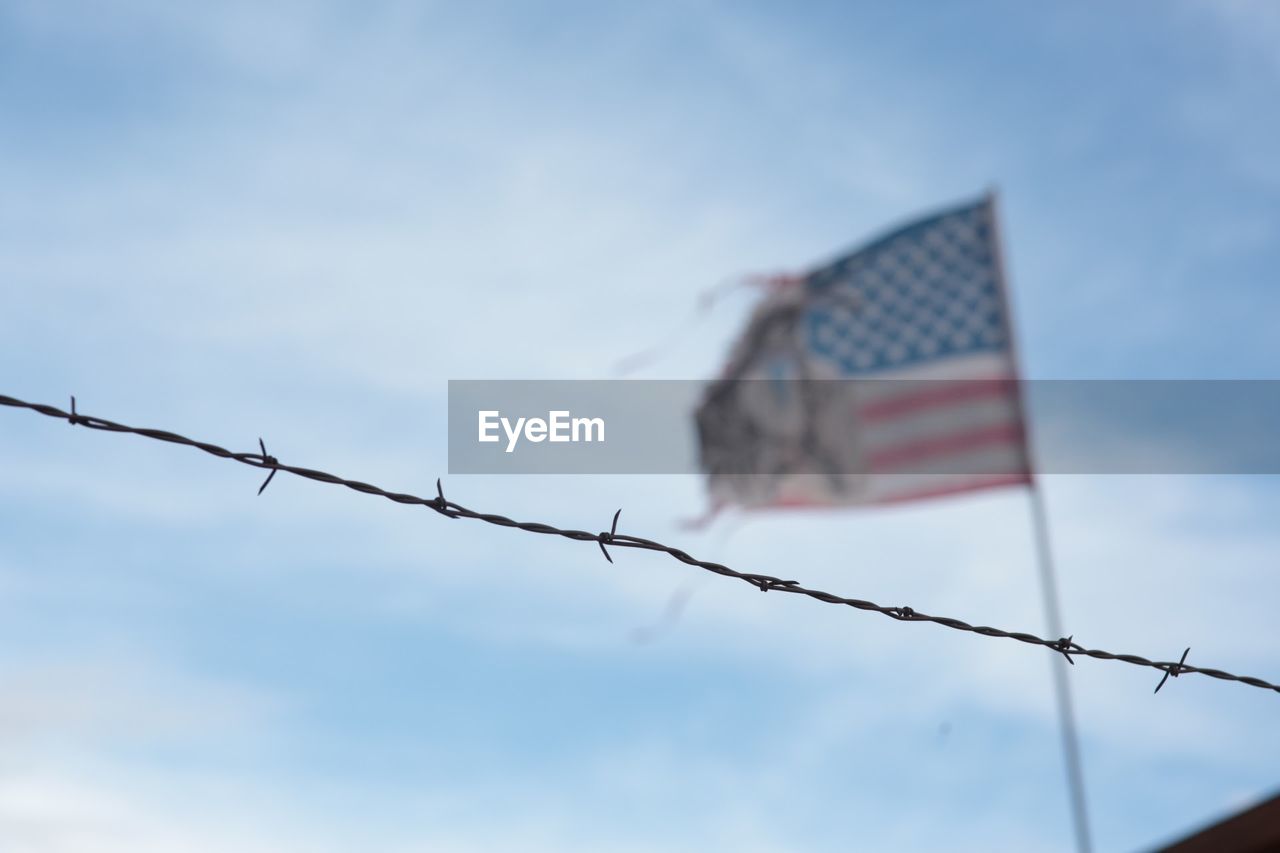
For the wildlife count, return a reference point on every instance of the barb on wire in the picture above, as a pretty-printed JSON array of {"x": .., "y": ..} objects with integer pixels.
[
  {"x": 1065, "y": 646},
  {"x": 268, "y": 461},
  {"x": 607, "y": 537},
  {"x": 1174, "y": 669}
]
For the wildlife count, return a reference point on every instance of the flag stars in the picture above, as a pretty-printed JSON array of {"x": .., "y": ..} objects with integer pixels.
[{"x": 927, "y": 293}]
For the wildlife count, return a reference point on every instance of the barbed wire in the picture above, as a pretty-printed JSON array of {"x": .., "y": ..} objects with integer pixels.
[{"x": 1066, "y": 646}]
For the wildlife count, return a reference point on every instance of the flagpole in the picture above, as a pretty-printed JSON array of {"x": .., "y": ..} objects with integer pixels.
[{"x": 1048, "y": 579}]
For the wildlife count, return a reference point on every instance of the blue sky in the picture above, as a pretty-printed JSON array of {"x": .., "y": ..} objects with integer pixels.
[{"x": 300, "y": 222}]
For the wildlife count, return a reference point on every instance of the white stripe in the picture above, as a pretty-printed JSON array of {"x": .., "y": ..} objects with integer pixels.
[
  {"x": 937, "y": 423},
  {"x": 995, "y": 460}
]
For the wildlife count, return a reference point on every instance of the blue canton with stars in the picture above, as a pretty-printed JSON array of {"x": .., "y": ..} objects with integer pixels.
[{"x": 929, "y": 291}]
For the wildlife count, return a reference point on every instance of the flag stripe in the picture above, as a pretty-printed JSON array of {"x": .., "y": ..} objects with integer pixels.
[
  {"x": 903, "y": 455},
  {"x": 924, "y": 425},
  {"x": 935, "y": 393},
  {"x": 943, "y": 489}
]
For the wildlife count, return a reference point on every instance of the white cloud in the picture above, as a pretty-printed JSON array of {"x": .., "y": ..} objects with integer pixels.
[{"x": 89, "y": 700}]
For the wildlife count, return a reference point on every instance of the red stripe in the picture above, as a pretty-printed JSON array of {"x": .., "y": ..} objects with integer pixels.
[
  {"x": 797, "y": 503},
  {"x": 899, "y": 455},
  {"x": 956, "y": 488},
  {"x": 938, "y": 392}
]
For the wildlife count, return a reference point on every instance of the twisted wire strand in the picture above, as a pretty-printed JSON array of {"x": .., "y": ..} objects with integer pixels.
[{"x": 1066, "y": 646}]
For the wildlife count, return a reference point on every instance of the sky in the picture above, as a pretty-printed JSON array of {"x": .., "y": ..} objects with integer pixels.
[{"x": 300, "y": 221}]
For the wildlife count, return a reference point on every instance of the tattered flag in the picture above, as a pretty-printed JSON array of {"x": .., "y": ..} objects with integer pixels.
[{"x": 886, "y": 375}]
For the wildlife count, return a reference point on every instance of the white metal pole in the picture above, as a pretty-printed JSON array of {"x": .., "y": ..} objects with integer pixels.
[
  {"x": 1061, "y": 685},
  {"x": 1048, "y": 578}
]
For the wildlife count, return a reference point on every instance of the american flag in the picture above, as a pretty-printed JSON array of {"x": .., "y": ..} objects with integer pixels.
[{"x": 887, "y": 375}]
